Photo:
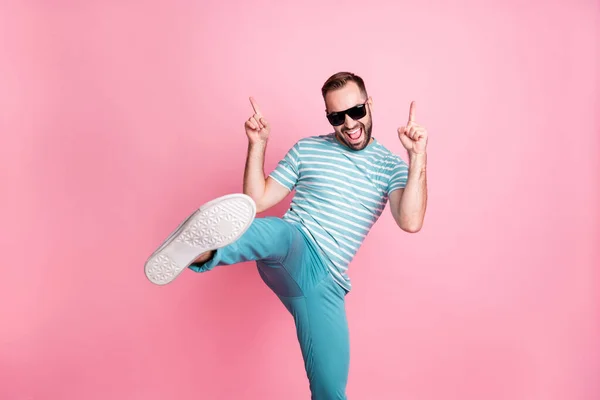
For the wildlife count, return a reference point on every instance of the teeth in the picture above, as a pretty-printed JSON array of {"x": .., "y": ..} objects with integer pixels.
[{"x": 355, "y": 134}]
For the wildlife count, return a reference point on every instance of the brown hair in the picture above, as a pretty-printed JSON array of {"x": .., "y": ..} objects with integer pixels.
[{"x": 339, "y": 80}]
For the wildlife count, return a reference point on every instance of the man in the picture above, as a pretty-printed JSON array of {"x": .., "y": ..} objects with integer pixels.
[{"x": 343, "y": 181}]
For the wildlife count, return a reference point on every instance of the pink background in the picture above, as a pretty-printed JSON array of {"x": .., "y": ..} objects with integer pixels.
[{"x": 119, "y": 118}]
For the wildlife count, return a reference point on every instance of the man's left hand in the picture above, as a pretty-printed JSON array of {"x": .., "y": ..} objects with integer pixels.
[{"x": 413, "y": 136}]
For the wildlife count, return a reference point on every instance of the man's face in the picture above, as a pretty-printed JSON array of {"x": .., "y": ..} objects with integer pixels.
[{"x": 355, "y": 134}]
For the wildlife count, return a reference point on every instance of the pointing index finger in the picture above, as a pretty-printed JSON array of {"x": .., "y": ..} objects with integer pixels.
[
  {"x": 411, "y": 114},
  {"x": 255, "y": 106}
]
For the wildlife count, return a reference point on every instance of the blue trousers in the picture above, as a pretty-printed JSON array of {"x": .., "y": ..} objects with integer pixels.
[{"x": 290, "y": 264}]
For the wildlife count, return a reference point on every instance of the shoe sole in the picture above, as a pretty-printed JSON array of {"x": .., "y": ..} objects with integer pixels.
[{"x": 215, "y": 224}]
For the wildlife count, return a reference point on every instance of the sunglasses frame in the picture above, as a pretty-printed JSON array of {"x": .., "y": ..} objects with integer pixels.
[{"x": 345, "y": 112}]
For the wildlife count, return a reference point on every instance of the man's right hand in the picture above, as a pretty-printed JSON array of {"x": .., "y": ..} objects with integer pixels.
[{"x": 257, "y": 128}]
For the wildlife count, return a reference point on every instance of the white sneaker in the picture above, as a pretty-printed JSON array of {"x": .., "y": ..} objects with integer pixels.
[{"x": 215, "y": 224}]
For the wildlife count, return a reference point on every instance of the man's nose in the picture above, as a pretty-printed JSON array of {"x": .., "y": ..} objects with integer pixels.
[{"x": 349, "y": 122}]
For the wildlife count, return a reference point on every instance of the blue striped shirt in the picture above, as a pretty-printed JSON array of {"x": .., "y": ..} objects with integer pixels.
[{"x": 340, "y": 194}]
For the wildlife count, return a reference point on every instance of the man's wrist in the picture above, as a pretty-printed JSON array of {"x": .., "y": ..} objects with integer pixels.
[
  {"x": 417, "y": 157},
  {"x": 259, "y": 145},
  {"x": 417, "y": 161}
]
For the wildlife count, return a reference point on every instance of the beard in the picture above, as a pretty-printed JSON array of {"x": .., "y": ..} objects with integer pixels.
[{"x": 366, "y": 129}]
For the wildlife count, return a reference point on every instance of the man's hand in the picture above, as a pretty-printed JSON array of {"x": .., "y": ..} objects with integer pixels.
[
  {"x": 257, "y": 128},
  {"x": 413, "y": 136}
]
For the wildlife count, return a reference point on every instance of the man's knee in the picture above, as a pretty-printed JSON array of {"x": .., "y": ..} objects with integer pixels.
[
  {"x": 271, "y": 226},
  {"x": 273, "y": 232}
]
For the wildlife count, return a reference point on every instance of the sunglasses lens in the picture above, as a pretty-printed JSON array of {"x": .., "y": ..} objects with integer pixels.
[
  {"x": 357, "y": 112},
  {"x": 336, "y": 119}
]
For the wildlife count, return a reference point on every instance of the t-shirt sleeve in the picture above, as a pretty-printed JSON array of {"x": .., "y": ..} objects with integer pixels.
[
  {"x": 399, "y": 175},
  {"x": 286, "y": 172}
]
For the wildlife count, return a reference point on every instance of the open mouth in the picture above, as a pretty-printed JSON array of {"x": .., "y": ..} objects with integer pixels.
[{"x": 355, "y": 135}]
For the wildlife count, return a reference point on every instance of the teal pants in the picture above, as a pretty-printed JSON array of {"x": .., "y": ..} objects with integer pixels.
[{"x": 290, "y": 264}]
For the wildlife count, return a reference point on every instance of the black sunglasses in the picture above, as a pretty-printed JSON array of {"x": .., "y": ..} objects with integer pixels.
[{"x": 356, "y": 112}]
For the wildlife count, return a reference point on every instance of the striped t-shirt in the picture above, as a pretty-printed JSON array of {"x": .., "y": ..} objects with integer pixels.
[{"x": 340, "y": 194}]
